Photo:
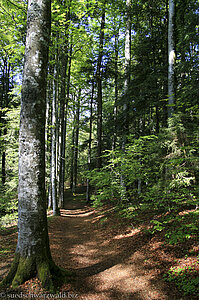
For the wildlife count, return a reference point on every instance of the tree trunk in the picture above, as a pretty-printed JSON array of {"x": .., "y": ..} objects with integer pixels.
[
  {"x": 99, "y": 92},
  {"x": 116, "y": 92},
  {"x": 76, "y": 142},
  {"x": 53, "y": 146},
  {"x": 63, "y": 103},
  {"x": 5, "y": 102},
  {"x": 48, "y": 140},
  {"x": 126, "y": 85},
  {"x": 63, "y": 154},
  {"x": 171, "y": 58},
  {"x": 3, "y": 168},
  {"x": 32, "y": 254},
  {"x": 127, "y": 70},
  {"x": 72, "y": 159},
  {"x": 89, "y": 144}
]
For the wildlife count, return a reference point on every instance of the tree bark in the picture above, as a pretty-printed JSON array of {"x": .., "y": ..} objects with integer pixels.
[
  {"x": 5, "y": 103},
  {"x": 63, "y": 141},
  {"x": 32, "y": 254},
  {"x": 127, "y": 70},
  {"x": 76, "y": 142},
  {"x": 116, "y": 92},
  {"x": 171, "y": 58},
  {"x": 99, "y": 93},
  {"x": 126, "y": 85},
  {"x": 89, "y": 144},
  {"x": 53, "y": 146}
]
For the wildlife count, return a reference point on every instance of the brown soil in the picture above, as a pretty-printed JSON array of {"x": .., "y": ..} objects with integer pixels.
[{"x": 112, "y": 260}]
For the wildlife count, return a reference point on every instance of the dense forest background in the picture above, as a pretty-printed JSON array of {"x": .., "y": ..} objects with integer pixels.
[{"x": 122, "y": 108}]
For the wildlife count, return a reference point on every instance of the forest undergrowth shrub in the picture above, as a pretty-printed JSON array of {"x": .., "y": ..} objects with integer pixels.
[
  {"x": 159, "y": 175},
  {"x": 186, "y": 278}
]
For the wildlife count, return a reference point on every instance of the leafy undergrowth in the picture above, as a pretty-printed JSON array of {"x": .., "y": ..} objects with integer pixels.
[{"x": 185, "y": 275}]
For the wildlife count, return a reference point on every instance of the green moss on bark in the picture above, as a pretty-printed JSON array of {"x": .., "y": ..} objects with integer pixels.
[
  {"x": 45, "y": 276},
  {"x": 25, "y": 270}
]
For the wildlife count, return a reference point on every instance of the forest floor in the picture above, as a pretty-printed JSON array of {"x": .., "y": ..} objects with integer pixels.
[{"x": 112, "y": 258}]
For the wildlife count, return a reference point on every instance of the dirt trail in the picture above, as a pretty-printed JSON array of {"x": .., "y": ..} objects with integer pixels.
[{"x": 109, "y": 264}]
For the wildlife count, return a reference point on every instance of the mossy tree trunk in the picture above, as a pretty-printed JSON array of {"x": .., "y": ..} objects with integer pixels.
[{"x": 32, "y": 255}]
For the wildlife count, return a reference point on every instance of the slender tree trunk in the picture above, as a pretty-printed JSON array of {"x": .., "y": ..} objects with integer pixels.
[
  {"x": 5, "y": 101},
  {"x": 72, "y": 159},
  {"x": 127, "y": 70},
  {"x": 89, "y": 144},
  {"x": 33, "y": 252},
  {"x": 3, "y": 168},
  {"x": 53, "y": 145},
  {"x": 99, "y": 92},
  {"x": 63, "y": 104},
  {"x": 48, "y": 140},
  {"x": 62, "y": 169},
  {"x": 64, "y": 63},
  {"x": 126, "y": 85},
  {"x": 76, "y": 143},
  {"x": 116, "y": 92},
  {"x": 171, "y": 58}
]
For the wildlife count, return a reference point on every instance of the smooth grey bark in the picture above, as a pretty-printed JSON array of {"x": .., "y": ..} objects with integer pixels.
[
  {"x": 32, "y": 254},
  {"x": 171, "y": 58},
  {"x": 99, "y": 92}
]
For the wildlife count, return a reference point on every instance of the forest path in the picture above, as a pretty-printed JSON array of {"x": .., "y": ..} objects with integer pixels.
[{"x": 110, "y": 262}]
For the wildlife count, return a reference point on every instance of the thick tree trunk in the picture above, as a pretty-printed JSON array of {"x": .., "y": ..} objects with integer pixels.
[
  {"x": 33, "y": 252},
  {"x": 171, "y": 58}
]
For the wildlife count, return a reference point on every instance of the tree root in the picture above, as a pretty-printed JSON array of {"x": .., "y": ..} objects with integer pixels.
[{"x": 23, "y": 269}]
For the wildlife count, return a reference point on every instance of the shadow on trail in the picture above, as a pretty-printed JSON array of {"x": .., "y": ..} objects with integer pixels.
[{"x": 108, "y": 265}]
